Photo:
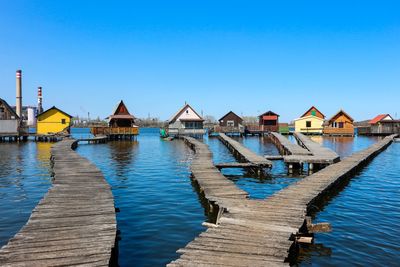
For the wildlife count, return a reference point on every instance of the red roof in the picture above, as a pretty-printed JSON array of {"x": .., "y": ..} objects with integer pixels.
[{"x": 379, "y": 118}]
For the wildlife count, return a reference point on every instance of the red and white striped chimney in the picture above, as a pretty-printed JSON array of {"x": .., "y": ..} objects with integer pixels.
[
  {"x": 40, "y": 106},
  {"x": 18, "y": 106}
]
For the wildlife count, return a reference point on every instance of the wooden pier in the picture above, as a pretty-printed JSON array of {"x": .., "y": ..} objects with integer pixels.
[
  {"x": 100, "y": 139},
  {"x": 286, "y": 147},
  {"x": 264, "y": 232},
  {"x": 74, "y": 224},
  {"x": 244, "y": 154},
  {"x": 308, "y": 152},
  {"x": 212, "y": 183},
  {"x": 13, "y": 138}
]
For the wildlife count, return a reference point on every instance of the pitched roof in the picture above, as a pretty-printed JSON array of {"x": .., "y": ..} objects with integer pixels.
[
  {"x": 176, "y": 115},
  {"x": 10, "y": 109},
  {"x": 309, "y": 117},
  {"x": 344, "y": 113},
  {"x": 54, "y": 107},
  {"x": 269, "y": 113},
  {"x": 313, "y": 107},
  {"x": 118, "y": 114},
  {"x": 230, "y": 112},
  {"x": 379, "y": 118}
]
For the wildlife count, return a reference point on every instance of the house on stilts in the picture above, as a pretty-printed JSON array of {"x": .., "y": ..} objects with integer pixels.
[
  {"x": 185, "y": 122},
  {"x": 311, "y": 122},
  {"x": 121, "y": 125},
  {"x": 341, "y": 124}
]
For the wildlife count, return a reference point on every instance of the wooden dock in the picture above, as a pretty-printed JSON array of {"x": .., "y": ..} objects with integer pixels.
[
  {"x": 243, "y": 153},
  {"x": 308, "y": 152},
  {"x": 210, "y": 180},
  {"x": 286, "y": 147},
  {"x": 321, "y": 156},
  {"x": 100, "y": 139},
  {"x": 74, "y": 224},
  {"x": 264, "y": 232}
]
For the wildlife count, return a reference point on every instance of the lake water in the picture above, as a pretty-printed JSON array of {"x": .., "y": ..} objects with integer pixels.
[{"x": 161, "y": 211}]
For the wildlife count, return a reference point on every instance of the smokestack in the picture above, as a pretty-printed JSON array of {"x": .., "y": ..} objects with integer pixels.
[
  {"x": 40, "y": 99},
  {"x": 18, "y": 106}
]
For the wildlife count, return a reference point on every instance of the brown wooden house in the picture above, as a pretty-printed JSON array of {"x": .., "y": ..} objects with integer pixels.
[
  {"x": 230, "y": 123},
  {"x": 121, "y": 117},
  {"x": 269, "y": 122},
  {"x": 121, "y": 124},
  {"x": 341, "y": 124}
]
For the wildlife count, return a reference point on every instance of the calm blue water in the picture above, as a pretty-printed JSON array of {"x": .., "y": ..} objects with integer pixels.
[
  {"x": 24, "y": 179},
  {"x": 258, "y": 188},
  {"x": 161, "y": 212},
  {"x": 150, "y": 179},
  {"x": 365, "y": 218}
]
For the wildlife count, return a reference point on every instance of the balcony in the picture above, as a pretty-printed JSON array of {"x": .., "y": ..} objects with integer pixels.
[
  {"x": 228, "y": 129},
  {"x": 338, "y": 131},
  {"x": 114, "y": 130}
]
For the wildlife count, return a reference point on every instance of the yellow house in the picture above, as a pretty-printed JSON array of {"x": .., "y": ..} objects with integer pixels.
[
  {"x": 53, "y": 120},
  {"x": 311, "y": 122}
]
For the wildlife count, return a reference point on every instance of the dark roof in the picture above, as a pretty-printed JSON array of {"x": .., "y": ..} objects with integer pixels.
[
  {"x": 269, "y": 113},
  {"x": 313, "y": 107},
  {"x": 344, "y": 113},
  {"x": 10, "y": 109},
  {"x": 230, "y": 112},
  {"x": 54, "y": 107},
  {"x": 174, "y": 118},
  {"x": 379, "y": 118}
]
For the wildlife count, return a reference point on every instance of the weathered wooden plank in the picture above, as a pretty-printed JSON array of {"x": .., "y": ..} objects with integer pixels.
[{"x": 74, "y": 224}]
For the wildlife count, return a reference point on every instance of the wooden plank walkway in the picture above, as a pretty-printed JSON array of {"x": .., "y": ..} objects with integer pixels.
[
  {"x": 240, "y": 165},
  {"x": 286, "y": 147},
  {"x": 94, "y": 140},
  {"x": 264, "y": 232},
  {"x": 74, "y": 224},
  {"x": 320, "y": 154},
  {"x": 243, "y": 152},
  {"x": 212, "y": 183}
]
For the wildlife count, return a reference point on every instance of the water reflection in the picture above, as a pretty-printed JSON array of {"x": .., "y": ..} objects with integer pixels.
[
  {"x": 160, "y": 210},
  {"x": 24, "y": 179}
]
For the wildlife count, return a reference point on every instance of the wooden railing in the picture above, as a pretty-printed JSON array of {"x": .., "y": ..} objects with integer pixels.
[
  {"x": 114, "y": 130},
  {"x": 338, "y": 131},
  {"x": 228, "y": 129}
]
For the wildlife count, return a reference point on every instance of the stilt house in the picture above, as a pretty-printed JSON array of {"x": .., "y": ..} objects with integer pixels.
[
  {"x": 311, "y": 122},
  {"x": 340, "y": 124}
]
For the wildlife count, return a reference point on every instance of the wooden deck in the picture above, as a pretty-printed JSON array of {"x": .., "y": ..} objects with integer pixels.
[
  {"x": 212, "y": 183},
  {"x": 94, "y": 140},
  {"x": 261, "y": 232},
  {"x": 244, "y": 153},
  {"x": 74, "y": 224},
  {"x": 286, "y": 147},
  {"x": 320, "y": 154}
]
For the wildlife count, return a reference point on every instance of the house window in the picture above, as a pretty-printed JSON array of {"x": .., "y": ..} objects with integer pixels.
[
  {"x": 341, "y": 124},
  {"x": 230, "y": 123},
  {"x": 314, "y": 113},
  {"x": 187, "y": 111},
  {"x": 270, "y": 122},
  {"x": 308, "y": 124},
  {"x": 62, "y": 121}
]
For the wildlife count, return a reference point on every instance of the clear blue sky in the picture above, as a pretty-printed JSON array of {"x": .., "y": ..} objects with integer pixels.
[{"x": 245, "y": 56}]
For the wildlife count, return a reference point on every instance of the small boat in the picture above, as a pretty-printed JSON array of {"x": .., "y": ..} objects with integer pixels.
[{"x": 165, "y": 136}]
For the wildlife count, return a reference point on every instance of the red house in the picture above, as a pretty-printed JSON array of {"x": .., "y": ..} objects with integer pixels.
[{"x": 269, "y": 122}]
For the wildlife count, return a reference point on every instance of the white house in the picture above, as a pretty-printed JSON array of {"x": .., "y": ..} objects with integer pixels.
[{"x": 186, "y": 122}]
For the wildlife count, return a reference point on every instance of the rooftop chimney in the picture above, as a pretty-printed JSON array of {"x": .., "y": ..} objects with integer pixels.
[
  {"x": 18, "y": 106},
  {"x": 40, "y": 98}
]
